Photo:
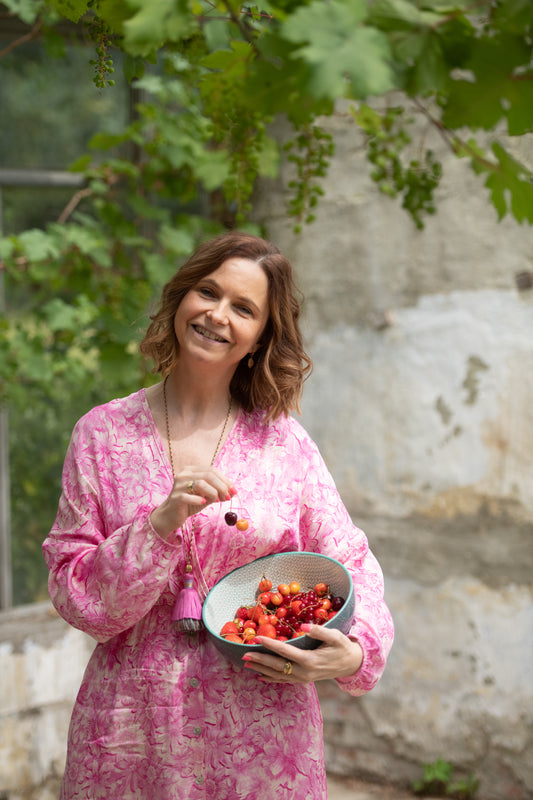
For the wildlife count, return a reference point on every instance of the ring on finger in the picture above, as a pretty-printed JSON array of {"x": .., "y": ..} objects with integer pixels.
[
  {"x": 190, "y": 487},
  {"x": 287, "y": 668}
]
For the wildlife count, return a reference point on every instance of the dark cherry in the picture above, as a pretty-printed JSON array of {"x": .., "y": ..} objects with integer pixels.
[
  {"x": 337, "y": 603},
  {"x": 230, "y": 517}
]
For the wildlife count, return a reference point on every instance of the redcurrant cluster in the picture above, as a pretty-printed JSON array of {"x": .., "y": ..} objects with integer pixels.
[{"x": 279, "y": 614}]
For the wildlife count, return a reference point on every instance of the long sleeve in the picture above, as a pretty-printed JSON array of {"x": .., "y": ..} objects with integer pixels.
[
  {"x": 107, "y": 565},
  {"x": 326, "y": 527}
]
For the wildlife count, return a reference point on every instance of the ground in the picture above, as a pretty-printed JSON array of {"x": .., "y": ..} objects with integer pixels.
[{"x": 353, "y": 789}]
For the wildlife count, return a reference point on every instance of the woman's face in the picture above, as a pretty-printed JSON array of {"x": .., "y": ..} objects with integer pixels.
[{"x": 221, "y": 319}]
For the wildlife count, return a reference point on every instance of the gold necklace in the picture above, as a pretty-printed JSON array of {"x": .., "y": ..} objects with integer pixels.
[
  {"x": 187, "y": 614},
  {"x": 217, "y": 448}
]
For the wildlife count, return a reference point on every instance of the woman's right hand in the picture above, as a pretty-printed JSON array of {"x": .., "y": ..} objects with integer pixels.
[{"x": 193, "y": 489}]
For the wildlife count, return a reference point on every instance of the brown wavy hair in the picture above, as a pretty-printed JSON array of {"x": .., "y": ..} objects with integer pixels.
[{"x": 275, "y": 383}]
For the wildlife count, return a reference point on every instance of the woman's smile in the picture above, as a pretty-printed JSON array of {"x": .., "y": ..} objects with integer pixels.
[{"x": 207, "y": 334}]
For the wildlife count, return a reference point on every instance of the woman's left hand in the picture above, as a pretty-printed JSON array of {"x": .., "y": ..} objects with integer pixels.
[{"x": 337, "y": 657}]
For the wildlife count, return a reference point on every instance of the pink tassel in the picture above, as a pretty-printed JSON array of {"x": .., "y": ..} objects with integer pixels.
[{"x": 187, "y": 614}]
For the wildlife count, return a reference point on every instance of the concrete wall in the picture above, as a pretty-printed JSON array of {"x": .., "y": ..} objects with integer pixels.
[
  {"x": 41, "y": 665},
  {"x": 421, "y": 401}
]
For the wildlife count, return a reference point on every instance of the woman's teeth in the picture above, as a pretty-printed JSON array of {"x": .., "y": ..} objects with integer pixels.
[{"x": 209, "y": 334}]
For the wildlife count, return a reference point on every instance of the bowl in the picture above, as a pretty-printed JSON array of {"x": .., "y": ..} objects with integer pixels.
[{"x": 240, "y": 587}]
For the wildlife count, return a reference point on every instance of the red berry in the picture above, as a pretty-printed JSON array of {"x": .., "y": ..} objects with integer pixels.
[
  {"x": 276, "y": 598},
  {"x": 267, "y": 630},
  {"x": 230, "y": 517},
  {"x": 229, "y": 628},
  {"x": 265, "y": 585},
  {"x": 232, "y": 637}
]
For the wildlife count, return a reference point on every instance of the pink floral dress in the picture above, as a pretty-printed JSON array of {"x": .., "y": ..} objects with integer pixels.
[{"x": 162, "y": 715}]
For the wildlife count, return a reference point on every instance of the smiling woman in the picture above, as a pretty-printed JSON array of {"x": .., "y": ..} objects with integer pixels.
[
  {"x": 281, "y": 364},
  {"x": 145, "y": 529},
  {"x": 221, "y": 320}
]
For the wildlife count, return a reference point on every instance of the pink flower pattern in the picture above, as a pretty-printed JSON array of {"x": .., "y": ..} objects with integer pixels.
[{"x": 161, "y": 715}]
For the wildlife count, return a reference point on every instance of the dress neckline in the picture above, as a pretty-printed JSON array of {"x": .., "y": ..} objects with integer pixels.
[{"x": 161, "y": 447}]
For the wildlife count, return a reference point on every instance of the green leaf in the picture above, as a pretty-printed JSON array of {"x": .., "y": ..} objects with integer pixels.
[
  {"x": 156, "y": 23},
  {"x": 177, "y": 240},
  {"x": 277, "y": 83},
  {"x": 511, "y": 186},
  {"x": 401, "y": 15},
  {"x": 345, "y": 56},
  {"x": 38, "y": 245},
  {"x": 227, "y": 59},
  {"x": 27, "y": 10},
  {"x": 519, "y": 104},
  {"x": 71, "y": 9},
  {"x": 497, "y": 88},
  {"x": 133, "y": 67},
  {"x": 430, "y": 73},
  {"x": 7, "y": 247}
]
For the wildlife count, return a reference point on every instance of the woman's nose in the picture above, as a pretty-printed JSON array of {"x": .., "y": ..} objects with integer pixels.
[{"x": 218, "y": 313}]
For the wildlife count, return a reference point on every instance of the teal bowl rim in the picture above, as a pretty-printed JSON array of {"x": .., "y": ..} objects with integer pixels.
[{"x": 294, "y": 642}]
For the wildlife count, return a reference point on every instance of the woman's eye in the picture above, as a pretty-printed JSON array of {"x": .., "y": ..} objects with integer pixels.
[
  {"x": 205, "y": 291},
  {"x": 244, "y": 310}
]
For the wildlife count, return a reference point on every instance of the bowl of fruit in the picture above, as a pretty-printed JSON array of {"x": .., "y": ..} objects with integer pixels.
[{"x": 273, "y": 596}]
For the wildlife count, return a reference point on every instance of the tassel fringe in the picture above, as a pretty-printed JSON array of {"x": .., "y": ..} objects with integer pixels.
[{"x": 187, "y": 614}]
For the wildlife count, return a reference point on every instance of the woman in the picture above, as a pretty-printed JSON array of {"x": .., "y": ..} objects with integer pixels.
[{"x": 147, "y": 482}]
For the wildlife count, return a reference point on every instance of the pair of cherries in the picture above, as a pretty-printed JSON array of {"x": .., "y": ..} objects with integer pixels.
[{"x": 232, "y": 518}]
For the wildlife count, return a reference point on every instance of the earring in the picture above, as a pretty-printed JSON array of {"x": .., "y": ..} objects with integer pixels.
[{"x": 251, "y": 361}]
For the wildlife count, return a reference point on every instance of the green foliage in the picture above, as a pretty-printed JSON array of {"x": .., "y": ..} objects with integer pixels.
[
  {"x": 396, "y": 174},
  {"x": 439, "y": 780},
  {"x": 310, "y": 152},
  {"x": 459, "y": 63},
  {"x": 346, "y": 56}
]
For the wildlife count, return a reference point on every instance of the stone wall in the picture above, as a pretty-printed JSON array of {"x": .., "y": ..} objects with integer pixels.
[
  {"x": 42, "y": 660},
  {"x": 421, "y": 402}
]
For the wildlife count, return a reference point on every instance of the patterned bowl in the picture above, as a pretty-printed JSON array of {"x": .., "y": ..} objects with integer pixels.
[{"x": 240, "y": 587}]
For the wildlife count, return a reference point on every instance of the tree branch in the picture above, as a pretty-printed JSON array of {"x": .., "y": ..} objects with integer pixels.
[
  {"x": 74, "y": 201},
  {"x": 28, "y": 37}
]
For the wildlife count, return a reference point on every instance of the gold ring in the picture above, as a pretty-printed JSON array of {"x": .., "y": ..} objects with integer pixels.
[
  {"x": 190, "y": 487},
  {"x": 287, "y": 669}
]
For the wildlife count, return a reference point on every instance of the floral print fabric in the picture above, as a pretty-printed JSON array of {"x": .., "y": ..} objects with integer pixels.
[{"x": 162, "y": 715}]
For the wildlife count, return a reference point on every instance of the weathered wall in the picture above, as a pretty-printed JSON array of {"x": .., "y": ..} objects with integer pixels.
[
  {"x": 421, "y": 401},
  {"x": 41, "y": 664}
]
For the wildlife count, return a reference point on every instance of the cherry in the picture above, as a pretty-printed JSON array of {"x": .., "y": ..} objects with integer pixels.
[
  {"x": 231, "y": 517},
  {"x": 337, "y": 603},
  {"x": 267, "y": 630},
  {"x": 276, "y": 599},
  {"x": 264, "y": 584}
]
